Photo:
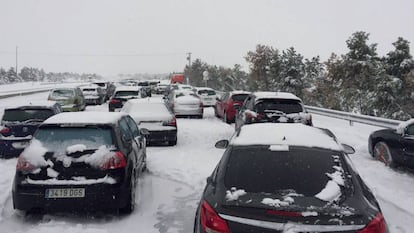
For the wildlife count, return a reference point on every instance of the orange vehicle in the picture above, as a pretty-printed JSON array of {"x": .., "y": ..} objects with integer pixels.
[{"x": 177, "y": 78}]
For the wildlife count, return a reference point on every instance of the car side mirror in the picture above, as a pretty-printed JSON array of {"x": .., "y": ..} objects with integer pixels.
[
  {"x": 348, "y": 149},
  {"x": 144, "y": 132},
  {"x": 222, "y": 144}
]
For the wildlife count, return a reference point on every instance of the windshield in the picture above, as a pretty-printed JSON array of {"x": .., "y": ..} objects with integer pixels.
[
  {"x": 63, "y": 93},
  {"x": 126, "y": 93},
  {"x": 259, "y": 170},
  {"x": 22, "y": 115},
  {"x": 239, "y": 97},
  {"x": 286, "y": 106},
  {"x": 206, "y": 92},
  {"x": 57, "y": 139}
]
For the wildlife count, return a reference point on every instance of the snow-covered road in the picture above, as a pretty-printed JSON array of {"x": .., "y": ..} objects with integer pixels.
[{"x": 169, "y": 193}]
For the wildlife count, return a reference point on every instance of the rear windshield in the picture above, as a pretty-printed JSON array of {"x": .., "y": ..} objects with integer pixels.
[
  {"x": 22, "y": 115},
  {"x": 89, "y": 89},
  {"x": 239, "y": 97},
  {"x": 126, "y": 93},
  {"x": 57, "y": 139},
  {"x": 206, "y": 92},
  {"x": 286, "y": 106},
  {"x": 63, "y": 93},
  {"x": 257, "y": 169}
]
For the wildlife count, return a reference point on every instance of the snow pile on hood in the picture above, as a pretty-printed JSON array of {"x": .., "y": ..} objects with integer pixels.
[
  {"x": 34, "y": 154},
  {"x": 233, "y": 194},
  {"x": 277, "y": 202},
  {"x": 75, "y": 148},
  {"x": 332, "y": 190}
]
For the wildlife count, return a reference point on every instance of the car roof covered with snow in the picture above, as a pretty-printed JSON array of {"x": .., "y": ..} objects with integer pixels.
[
  {"x": 128, "y": 88},
  {"x": 34, "y": 104},
  {"x": 284, "y": 134},
  {"x": 275, "y": 95},
  {"x": 85, "y": 118}
]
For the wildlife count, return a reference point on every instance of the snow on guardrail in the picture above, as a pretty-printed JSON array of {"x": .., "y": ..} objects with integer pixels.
[
  {"x": 352, "y": 117},
  {"x": 19, "y": 89}
]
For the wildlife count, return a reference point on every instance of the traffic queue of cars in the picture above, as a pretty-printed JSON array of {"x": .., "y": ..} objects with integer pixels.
[{"x": 293, "y": 176}]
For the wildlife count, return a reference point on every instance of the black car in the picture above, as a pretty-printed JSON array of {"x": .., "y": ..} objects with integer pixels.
[
  {"x": 292, "y": 178},
  {"x": 282, "y": 107},
  {"x": 394, "y": 146},
  {"x": 83, "y": 162},
  {"x": 19, "y": 123},
  {"x": 122, "y": 94}
]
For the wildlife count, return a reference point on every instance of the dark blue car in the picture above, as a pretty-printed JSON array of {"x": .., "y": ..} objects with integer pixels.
[{"x": 19, "y": 123}]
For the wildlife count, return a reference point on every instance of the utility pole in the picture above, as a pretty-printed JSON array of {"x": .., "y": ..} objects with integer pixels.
[
  {"x": 16, "y": 62},
  {"x": 189, "y": 67}
]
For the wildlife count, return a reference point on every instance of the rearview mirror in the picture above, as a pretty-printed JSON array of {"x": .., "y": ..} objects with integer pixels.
[
  {"x": 348, "y": 149},
  {"x": 222, "y": 144}
]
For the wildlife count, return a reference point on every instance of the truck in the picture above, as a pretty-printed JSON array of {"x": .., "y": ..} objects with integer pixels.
[{"x": 177, "y": 78}]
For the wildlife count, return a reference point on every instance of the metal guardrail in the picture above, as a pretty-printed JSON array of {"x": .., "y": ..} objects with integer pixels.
[
  {"x": 352, "y": 117},
  {"x": 7, "y": 95}
]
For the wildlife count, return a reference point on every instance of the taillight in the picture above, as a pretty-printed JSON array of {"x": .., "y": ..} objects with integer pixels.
[
  {"x": 377, "y": 225},
  {"x": 210, "y": 221},
  {"x": 23, "y": 165},
  {"x": 114, "y": 101},
  {"x": 5, "y": 130},
  {"x": 172, "y": 122},
  {"x": 115, "y": 160}
]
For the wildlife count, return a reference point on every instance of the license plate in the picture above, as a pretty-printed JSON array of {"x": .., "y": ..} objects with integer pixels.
[
  {"x": 20, "y": 145},
  {"x": 65, "y": 193}
]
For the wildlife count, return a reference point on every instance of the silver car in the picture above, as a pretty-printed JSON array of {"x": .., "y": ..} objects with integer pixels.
[{"x": 185, "y": 103}]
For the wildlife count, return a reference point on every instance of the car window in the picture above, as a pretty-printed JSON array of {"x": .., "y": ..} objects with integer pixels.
[
  {"x": 57, "y": 139},
  {"x": 124, "y": 128},
  {"x": 133, "y": 126},
  {"x": 284, "y": 105},
  {"x": 63, "y": 93},
  {"x": 259, "y": 170},
  {"x": 410, "y": 130},
  {"x": 22, "y": 115},
  {"x": 239, "y": 97},
  {"x": 206, "y": 92},
  {"x": 126, "y": 93}
]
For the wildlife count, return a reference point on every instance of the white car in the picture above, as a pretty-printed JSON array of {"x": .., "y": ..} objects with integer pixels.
[
  {"x": 185, "y": 103},
  {"x": 207, "y": 95}
]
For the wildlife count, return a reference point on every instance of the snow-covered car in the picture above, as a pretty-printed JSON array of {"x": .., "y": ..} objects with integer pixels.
[
  {"x": 122, "y": 94},
  {"x": 207, "y": 95},
  {"x": 19, "y": 123},
  {"x": 394, "y": 147},
  {"x": 185, "y": 103},
  {"x": 82, "y": 161},
  {"x": 93, "y": 94},
  {"x": 225, "y": 105},
  {"x": 273, "y": 107},
  {"x": 155, "y": 116},
  {"x": 286, "y": 177},
  {"x": 70, "y": 99}
]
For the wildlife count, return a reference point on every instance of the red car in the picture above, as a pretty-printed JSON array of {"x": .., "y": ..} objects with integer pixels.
[{"x": 224, "y": 107}]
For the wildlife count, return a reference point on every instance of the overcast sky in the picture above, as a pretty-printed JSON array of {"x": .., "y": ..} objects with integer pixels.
[{"x": 153, "y": 36}]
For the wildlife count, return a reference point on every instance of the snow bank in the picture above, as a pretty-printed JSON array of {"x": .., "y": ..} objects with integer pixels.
[{"x": 401, "y": 127}]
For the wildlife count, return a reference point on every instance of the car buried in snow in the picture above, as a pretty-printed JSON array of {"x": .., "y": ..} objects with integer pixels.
[
  {"x": 306, "y": 183},
  {"x": 394, "y": 147},
  {"x": 82, "y": 162},
  {"x": 19, "y": 123}
]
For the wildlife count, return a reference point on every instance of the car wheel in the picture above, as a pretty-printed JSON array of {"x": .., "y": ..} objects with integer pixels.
[
  {"x": 383, "y": 154},
  {"x": 225, "y": 119},
  {"x": 130, "y": 204}
]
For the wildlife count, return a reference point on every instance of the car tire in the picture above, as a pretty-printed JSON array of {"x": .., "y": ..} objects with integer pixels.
[
  {"x": 225, "y": 119},
  {"x": 382, "y": 152},
  {"x": 130, "y": 203}
]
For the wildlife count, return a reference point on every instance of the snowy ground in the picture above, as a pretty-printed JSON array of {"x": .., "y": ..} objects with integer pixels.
[{"x": 168, "y": 194}]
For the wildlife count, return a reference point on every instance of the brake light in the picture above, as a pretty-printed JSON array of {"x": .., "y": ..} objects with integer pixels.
[
  {"x": 5, "y": 130},
  {"x": 172, "y": 122},
  {"x": 210, "y": 221},
  {"x": 114, "y": 101},
  {"x": 23, "y": 165},
  {"x": 114, "y": 161},
  {"x": 377, "y": 225}
]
